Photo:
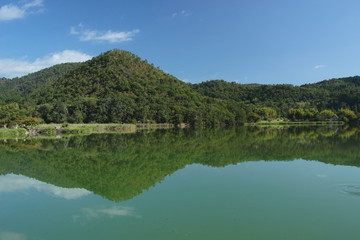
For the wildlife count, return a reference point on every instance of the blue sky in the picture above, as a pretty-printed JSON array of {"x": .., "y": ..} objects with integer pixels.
[{"x": 246, "y": 41}]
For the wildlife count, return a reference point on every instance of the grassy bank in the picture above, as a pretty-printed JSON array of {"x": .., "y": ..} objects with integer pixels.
[
  {"x": 12, "y": 133},
  {"x": 154, "y": 125},
  {"x": 54, "y": 129}
]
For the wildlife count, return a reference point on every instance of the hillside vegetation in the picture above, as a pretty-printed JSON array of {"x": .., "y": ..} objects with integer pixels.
[
  {"x": 318, "y": 101},
  {"x": 119, "y": 87},
  {"x": 16, "y": 89}
]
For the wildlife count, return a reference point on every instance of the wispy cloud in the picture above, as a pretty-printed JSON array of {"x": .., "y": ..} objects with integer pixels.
[
  {"x": 11, "y": 12},
  {"x": 34, "y": 3},
  {"x": 320, "y": 66},
  {"x": 182, "y": 13},
  {"x": 110, "y": 36},
  {"x": 19, "y": 67}
]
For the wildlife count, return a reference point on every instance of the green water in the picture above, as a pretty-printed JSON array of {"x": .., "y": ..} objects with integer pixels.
[{"x": 246, "y": 183}]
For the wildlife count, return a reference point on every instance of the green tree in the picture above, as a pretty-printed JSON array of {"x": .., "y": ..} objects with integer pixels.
[
  {"x": 10, "y": 114},
  {"x": 30, "y": 121},
  {"x": 347, "y": 115},
  {"x": 254, "y": 117},
  {"x": 311, "y": 113},
  {"x": 325, "y": 115},
  {"x": 265, "y": 113},
  {"x": 296, "y": 114}
]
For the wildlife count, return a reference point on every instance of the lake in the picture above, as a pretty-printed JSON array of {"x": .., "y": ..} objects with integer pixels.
[{"x": 245, "y": 183}]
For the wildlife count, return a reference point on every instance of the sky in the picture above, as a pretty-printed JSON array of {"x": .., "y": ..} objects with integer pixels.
[{"x": 244, "y": 41}]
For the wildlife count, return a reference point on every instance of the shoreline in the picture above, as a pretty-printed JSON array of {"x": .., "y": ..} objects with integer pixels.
[
  {"x": 288, "y": 123},
  {"x": 56, "y": 130},
  {"x": 77, "y": 129}
]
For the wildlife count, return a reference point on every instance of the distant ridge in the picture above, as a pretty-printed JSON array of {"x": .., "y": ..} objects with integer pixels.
[{"x": 328, "y": 94}]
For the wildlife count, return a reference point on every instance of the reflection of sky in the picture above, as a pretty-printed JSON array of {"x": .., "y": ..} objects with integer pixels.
[
  {"x": 15, "y": 183},
  {"x": 110, "y": 212},
  {"x": 12, "y": 236},
  {"x": 105, "y": 212}
]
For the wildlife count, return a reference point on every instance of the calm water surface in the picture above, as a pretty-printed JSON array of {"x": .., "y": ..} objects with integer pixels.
[{"x": 248, "y": 183}]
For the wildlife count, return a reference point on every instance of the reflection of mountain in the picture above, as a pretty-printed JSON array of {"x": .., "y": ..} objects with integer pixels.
[{"x": 120, "y": 167}]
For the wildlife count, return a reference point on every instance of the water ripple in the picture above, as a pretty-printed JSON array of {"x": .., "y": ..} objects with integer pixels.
[{"x": 351, "y": 189}]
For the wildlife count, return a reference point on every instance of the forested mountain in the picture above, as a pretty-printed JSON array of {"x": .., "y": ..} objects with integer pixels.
[
  {"x": 334, "y": 94},
  {"x": 2, "y": 80},
  {"x": 340, "y": 92},
  {"x": 322, "y": 94},
  {"x": 119, "y": 87},
  {"x": 14, "y": 90},
  {"x": 277, "y": 96}
]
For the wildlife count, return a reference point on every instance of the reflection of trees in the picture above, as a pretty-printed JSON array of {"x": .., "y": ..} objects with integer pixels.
[{"x": 120, "y": 166}]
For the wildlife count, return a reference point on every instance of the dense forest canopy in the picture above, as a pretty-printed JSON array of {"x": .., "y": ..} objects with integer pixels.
[
  {"x": 17, "y": 89},
  {"x": 331, "y": 94},
  {"x": 119, "y": 87}
]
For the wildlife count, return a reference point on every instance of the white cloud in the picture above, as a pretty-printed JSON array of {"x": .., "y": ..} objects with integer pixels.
[
  {"x": 15, "y": 183},
  {"x": 12, "y": 12},
  {"x": 34, "y": 3},
  {"x": 102, "y": 36},
  {"x": 19, "y": 67},
  {"x": 12, "y": 236},
  {"x": 319, "y": 66},
  {"x": 182, "y": 13}
]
